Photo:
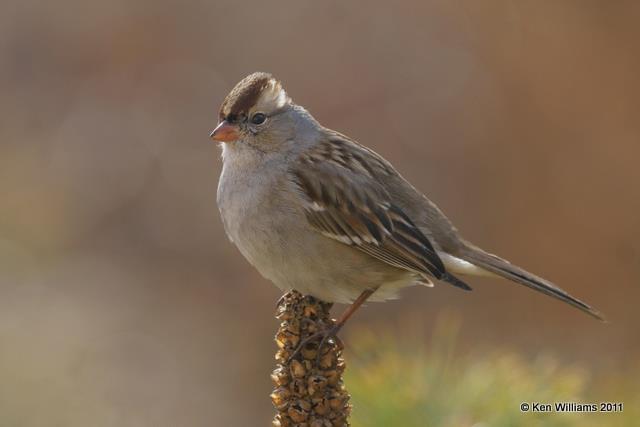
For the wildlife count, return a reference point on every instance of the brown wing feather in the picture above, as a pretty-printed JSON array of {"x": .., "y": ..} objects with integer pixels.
[{"x": 343, "y": 201}]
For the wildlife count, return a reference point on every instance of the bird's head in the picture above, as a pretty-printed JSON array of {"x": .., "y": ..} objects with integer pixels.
[{"x": 254, "y": 112}]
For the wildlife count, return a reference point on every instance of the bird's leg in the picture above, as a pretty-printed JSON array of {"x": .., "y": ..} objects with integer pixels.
[{"x": 332, "y": 331}]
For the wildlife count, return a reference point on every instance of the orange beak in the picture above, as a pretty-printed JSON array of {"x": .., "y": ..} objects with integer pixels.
[{"x": 225, "y": 132}]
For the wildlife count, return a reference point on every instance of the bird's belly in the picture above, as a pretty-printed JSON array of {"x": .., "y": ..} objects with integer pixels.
[
  {"x": 316, "y": 265},
  {"x": 313, "y": 264},
  {"x": 273, "y": 235}
]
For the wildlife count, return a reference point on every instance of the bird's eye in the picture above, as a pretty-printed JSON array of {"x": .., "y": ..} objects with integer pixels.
[{"x": 258, "y": 118}]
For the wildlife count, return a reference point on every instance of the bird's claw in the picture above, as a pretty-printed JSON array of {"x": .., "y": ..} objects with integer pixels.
[{"x": 325, "y": 335}]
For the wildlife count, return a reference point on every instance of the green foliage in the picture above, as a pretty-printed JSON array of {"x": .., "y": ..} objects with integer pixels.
[{"x": 397, "y": 382}]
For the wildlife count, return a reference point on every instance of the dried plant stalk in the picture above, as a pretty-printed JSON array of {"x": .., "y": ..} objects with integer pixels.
[{"x": 309, "y": 391}]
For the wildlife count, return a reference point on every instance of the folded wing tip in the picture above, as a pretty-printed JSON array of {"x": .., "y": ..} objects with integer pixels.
[{"x": 453, "y": 280}]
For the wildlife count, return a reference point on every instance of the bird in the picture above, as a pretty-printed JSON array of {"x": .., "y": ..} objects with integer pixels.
[{"x": 313, "y": 210}]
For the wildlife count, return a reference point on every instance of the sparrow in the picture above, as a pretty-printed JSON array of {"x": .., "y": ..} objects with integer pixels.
[{"x": 313, "y": 210}]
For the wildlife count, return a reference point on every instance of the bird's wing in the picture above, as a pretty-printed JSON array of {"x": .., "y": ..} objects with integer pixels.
[{"x": 343, "y": 201}]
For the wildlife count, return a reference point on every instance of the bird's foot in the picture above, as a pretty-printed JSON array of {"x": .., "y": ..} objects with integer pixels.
[{"x": 325, "y": 336}]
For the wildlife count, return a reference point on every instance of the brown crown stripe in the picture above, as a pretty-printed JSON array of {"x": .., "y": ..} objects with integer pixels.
[{"x": 244, "y": 95}]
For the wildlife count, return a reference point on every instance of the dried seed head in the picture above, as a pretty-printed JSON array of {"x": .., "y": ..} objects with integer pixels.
[
  {"x": 321, "y": 406},
  {"x": 280, "y": 421},
  {"x": 318, "y": 422},
  {"x": 282, "y": 355},
  {"x": 327, "y": 360},
  {"x": 280, "y": 397},
  {"x": 282, "y": 314},
  {"x": 299, "y": 387},
  {"x": 310, "y": 311},
  {"x": 338, "y": 400},
  {"x": 333, "y": 377},
  {"x": 280, "y": 376},
  {"x": 310, "y": 351},
  {"x": 309, "y": 390},
  {"x": 341, "y": 420},
  {"x": 286, "y": 337},
  {"x": 297, "y": 369},
  {"x": 299, "y": 411},
  {"x": 316, "y": 383}
]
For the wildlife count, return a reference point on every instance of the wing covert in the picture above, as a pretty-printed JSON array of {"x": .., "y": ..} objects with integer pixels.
[{"x": 342, "y": 200}]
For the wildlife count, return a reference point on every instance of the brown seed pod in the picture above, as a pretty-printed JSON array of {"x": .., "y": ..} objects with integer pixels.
[
  {"x": 316, "y": 383},
  {"x": 297, "y": 369},
  {"x": 318, "y": 422},
  {"x": 299, "y": 387},
  {"x": 299, "y": 411},
  {"x": 309, "y": 390},
  {"x": 310, "y": 351},
  {"x": 280, "y": 376},
  {"x": 321, "y": 406},
  {"x": 280, "y": 397}
]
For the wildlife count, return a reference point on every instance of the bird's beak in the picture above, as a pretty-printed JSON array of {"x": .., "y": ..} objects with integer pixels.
[{"x": 225, "y": 132}]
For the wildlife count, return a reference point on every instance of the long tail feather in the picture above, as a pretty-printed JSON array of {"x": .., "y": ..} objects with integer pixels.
[{"x": 516, "y": 274}]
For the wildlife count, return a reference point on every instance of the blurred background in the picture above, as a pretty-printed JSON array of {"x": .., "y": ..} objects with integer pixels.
[{"x": 122, "y": 303}]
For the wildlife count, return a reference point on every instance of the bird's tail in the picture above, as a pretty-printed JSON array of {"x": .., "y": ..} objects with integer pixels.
[{"x": 516, "y": 274}]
